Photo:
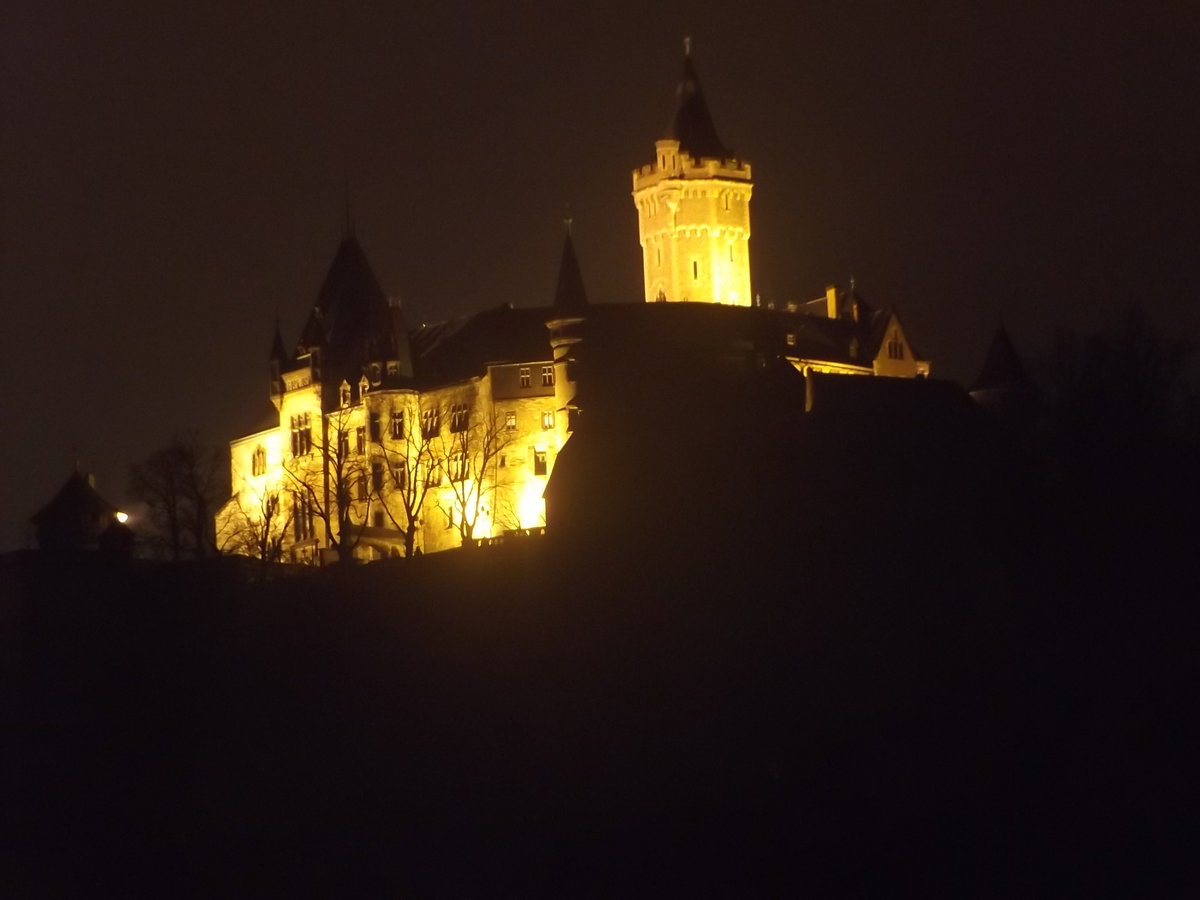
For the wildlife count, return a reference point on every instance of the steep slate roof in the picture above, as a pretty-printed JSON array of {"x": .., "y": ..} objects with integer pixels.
[
  {"x": 693, "y": 126},
  {"x": 1002, "y": 368},
  {"x": 569, "y": 295},
  {"x": 75, "y": 499},
  {"x": 350, "y": 309},
  {"x": 460, "y": 349}
]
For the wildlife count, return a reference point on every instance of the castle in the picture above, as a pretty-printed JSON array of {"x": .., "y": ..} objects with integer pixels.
[{"x": 387, "y": 440}]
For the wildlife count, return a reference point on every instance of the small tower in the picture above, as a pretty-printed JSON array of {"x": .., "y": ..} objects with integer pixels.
[{"x": 693, "y": 205}]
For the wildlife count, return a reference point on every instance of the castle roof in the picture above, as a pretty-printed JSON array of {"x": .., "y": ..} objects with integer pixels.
[
  {"x": 75, "y": 499},
  {"x": 1002, "y": 368},
  {"x": 569, "y": 294},
  {"x": 457, "y": 350},
  {"x": 350, "y": 309},
  {"x": 693, "y": 126}
]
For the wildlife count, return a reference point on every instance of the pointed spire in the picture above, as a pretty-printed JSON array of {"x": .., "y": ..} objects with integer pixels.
[
  {"x": 569, "y": 295},
  {"x": 348, "y": 228},
  {"x": 278, "y": 354},
  {"x": 1002, "y": 370},
  {"x": 693, "y": 126}
]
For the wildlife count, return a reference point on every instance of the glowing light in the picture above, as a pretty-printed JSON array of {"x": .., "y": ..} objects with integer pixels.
[{"x": 122, "y": 517}]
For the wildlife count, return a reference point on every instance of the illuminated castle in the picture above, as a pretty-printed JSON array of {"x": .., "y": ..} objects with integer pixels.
[{"x": 385, "y": 440}]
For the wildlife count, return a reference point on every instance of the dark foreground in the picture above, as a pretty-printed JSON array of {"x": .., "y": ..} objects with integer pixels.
[{"x": 545, "y": 719}]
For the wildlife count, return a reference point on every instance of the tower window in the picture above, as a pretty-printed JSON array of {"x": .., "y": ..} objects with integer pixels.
[
  {"x": 258, "y": 465},
  {"x": 548, "y": 419},
  {"x": 539, "y": 462},
  {"x": 695, "y": 270},
  {"x": 658, "y": 256},
  {"x": 547, "y": 376},
  {"x": 398, "y": 424}
]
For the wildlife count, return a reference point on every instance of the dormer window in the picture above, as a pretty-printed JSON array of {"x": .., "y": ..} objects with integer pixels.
[
  {"x": 344, "y": 394},
  {"x": 363, "y": 385}
]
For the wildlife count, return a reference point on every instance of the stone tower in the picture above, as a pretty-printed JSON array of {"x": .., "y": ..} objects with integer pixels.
[{"x": 693, "y": 205}]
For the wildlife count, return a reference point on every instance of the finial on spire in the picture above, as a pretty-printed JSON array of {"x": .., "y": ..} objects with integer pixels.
[
  {"x": 852, "y": 284},
  {"x": 687, "y": 45},
  {"x": 568, "y": 221}
]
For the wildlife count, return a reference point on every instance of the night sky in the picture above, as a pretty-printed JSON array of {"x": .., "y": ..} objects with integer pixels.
[{"x": 174, "y": 176}]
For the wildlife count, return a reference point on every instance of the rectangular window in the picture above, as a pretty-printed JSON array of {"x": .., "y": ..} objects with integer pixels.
[
  {"x": 431, "y": 422},
  {"x": 343, "y": 444},
  {"x": 435, "y": 474},
  {"x": 376, "y": 428},
  {"x": 460, "y": 417},
  {"x": 398, "y": 424},
  {"x": 695, "y": 270},
  {"x": 377, "y": 518},
  {"x": 301, "y": 434},
  {"x": 510, "y": 421},
  {"x": 547, "y": 376},
  {"x": 791, "y": 339},
  {"x": 360, "y": 486},
  {"x": 360, "y": 440},
  {"x": 377, "y": 477},
  {"x": 547, "y": 419},
  {"x": 302, "y": 517},
  {"x": 457, "y": 464},
  {"x": 539, "y": 462},
  {"x": 526, "y": 379}
]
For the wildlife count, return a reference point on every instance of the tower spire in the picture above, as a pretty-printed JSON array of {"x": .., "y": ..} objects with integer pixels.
[
  {"x": 569, "y": 294},
  {"x": 348, "y": 227}
]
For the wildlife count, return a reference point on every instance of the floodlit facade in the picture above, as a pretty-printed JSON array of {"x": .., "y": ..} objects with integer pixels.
[{"x": 384, "y": 440}]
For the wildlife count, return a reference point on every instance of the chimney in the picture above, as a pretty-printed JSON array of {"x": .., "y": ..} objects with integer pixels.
[{"x": 831, "y": 301}]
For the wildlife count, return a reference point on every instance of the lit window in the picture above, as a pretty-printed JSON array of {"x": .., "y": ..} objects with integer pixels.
[
  {"x": 376, "y": 428},
  {"x": 258, "y": 465},
  {"x": 376, "y": 477},
  {"x": 548, "y": 419},
  {"x": 525, "y": 378},
  {"x": 695, "y": 270},
  {"x": 539, "y": 462},
  {"x": 398, "y": 424},
  {"x": 431, "y": 422},
  {"x": 301, "y": 434},
  {"x": 547, "y": 376},
  {"x": 360, "y": 440},
  {"x": 791, "y": 339},
  {"x": 510, "y": 421},
  {"x": 459, "y": 417},
  {"x": 302, "y": 517}
]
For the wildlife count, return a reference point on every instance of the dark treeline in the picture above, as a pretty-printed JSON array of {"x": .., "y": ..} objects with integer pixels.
[{"x": 936, "y": 648}]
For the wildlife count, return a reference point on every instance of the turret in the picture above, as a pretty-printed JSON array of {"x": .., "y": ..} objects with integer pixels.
[{"x": 693, "y": 205}]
